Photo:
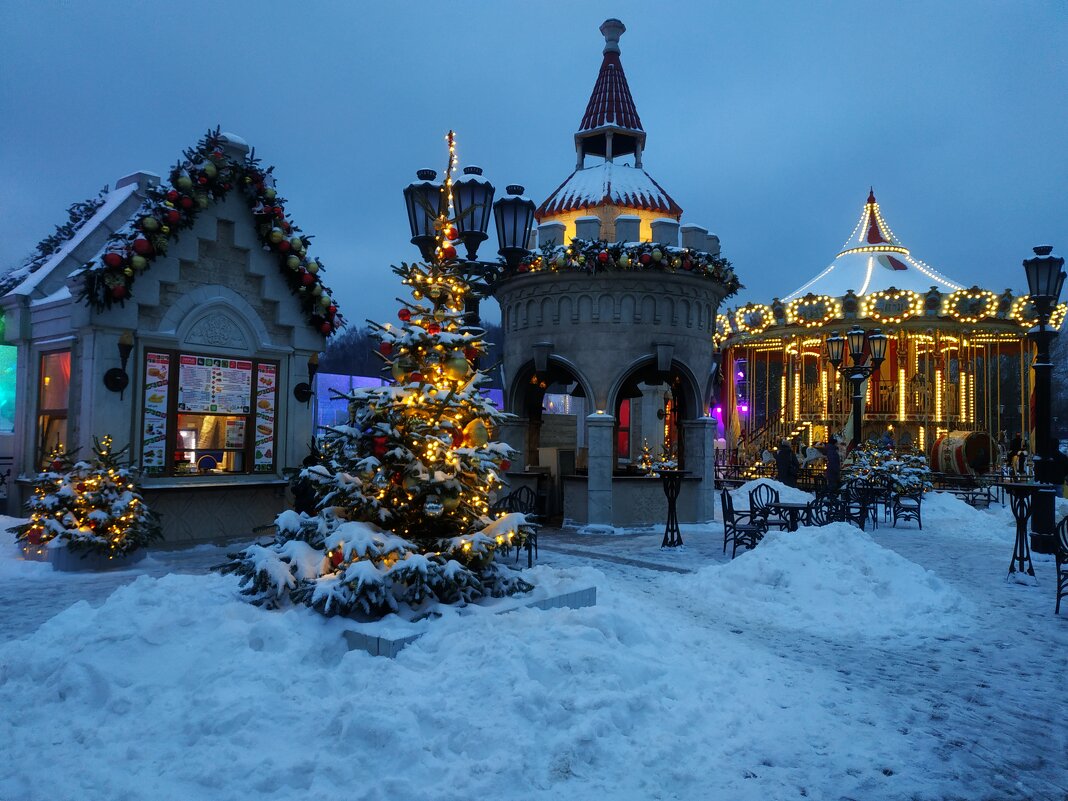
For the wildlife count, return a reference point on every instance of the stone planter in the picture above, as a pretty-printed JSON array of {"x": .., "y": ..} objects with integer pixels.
[{"x": 63, "y": 559}]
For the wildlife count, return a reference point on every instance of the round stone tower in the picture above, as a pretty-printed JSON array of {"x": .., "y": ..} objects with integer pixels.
[{"x": 608, "y": 333}]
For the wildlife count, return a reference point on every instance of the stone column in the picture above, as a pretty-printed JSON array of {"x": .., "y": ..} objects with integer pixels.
[
  {"x": 699, "y": 438},
  {"x": 599, "y": 483},
  {"x": 514, "y": 432}
]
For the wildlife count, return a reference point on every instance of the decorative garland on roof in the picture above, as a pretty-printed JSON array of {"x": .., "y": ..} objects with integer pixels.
[
  {"x": 206, "y": 175},
  {"x": 598, "y": 256},
  {"x": 77, "y": 216}
]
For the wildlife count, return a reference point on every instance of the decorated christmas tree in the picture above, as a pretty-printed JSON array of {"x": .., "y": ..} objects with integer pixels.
[
  {"x": 403, "y": 489},
  {"x": 645, "y": 461},
  {"x": 90, "y": 505}
]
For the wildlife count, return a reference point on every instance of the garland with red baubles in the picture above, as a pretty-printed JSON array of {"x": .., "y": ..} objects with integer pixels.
[{"x": 206, "y": 175}]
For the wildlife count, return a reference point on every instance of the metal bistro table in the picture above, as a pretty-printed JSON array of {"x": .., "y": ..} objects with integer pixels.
[
  {"x": 792, "y": 511},
  {"x": 672, "y": 485},
  {"x": 1022, "y": 497}
]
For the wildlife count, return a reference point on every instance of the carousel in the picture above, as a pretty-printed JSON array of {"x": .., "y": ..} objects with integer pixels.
[{"x": 951, "y": 359}]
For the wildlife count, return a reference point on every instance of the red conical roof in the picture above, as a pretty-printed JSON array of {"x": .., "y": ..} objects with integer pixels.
[{"x": 611, "y": 103}]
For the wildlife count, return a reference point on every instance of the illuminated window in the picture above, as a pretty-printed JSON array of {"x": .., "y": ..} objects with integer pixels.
[
  {"x": 623, "y": 430},
  {"x": 208, "y": 415},
  {"x": 53, "y": 398}
]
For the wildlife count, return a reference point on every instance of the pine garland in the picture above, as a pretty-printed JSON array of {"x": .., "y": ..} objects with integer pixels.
[
  {"x": 203, "y": 176},
  {"x": 77, "y": 215}
]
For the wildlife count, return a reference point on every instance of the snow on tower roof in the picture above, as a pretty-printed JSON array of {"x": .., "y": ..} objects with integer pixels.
[
  {"x": 611, "y": 103},
  {"x": 874, "y": 259},
  {"x": 605, "y": 184}
]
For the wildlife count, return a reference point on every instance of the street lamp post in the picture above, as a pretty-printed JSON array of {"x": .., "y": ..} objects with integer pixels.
[
  {"x": 857, "y": 372},
  {"x": 1044, "y": 281},
  {"x": 472, "y": 195}
]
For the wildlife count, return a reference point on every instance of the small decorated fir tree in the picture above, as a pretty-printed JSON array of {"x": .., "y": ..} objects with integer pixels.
[
  {"x": 645, "y": 461},
  {"x": 90, "y": 505},
  {"x": 403, "y": 489}
]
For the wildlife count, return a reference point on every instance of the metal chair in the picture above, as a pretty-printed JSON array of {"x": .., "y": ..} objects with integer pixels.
[
  {"x": 746, "y": 528},
  {"x": 761, "y": 498},
  {"x": 906, "y": 506},
  {"x": 522, "y": 501},
  {"x": 1062, "y": 562}
]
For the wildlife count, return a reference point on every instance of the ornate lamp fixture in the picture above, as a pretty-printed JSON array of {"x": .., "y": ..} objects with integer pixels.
[{"x": 857, "y": 372}]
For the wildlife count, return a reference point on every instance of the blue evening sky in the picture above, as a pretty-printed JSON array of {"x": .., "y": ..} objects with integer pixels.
[{"x": 767, "y": 121}]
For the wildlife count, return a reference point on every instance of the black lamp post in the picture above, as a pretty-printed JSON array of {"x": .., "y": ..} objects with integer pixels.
[
  {"x": 857, "y": 372},
  {"x": 472, "y": 197},
  {"x": 1045, "y": 278}
]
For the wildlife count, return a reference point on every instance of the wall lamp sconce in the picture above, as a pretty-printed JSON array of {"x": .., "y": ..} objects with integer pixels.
[
  {"x": 303, "y": 391},
  {"x": 116, "y": 379}
]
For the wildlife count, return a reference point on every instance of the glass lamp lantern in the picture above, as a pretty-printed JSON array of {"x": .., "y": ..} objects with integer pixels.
[
  {"x": 425, "y": 202},
  {"x": 856, "y": 337},
  {"x": 835, "y": 348},
  {"x": 515, "y": 218},
  {"x": 472, "y": 201},
  {"x": 878, "y": 341}
]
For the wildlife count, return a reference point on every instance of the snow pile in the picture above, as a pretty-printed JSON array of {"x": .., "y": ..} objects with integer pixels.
[
  {"x": 952, "y": 517},
  {"x": 786, "y": 494},
  {"x": 834, "y": 581}
]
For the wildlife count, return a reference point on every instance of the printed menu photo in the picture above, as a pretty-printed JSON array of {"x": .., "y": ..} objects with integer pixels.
[
  {"x": 266, "y": 396},
  {"x": 154, "y": 425}
]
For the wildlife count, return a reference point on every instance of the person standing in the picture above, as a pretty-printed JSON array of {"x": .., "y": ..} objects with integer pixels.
[
  {"x": 834, "y": 464},
  {"x": 1059, "y": 472},
  {"x": 786, "y": 464}
]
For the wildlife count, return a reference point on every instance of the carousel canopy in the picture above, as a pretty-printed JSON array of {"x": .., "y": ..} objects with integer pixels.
[{"x": 873, "y": 259}]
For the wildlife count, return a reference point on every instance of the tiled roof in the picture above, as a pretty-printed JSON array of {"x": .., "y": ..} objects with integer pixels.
[
  {"x": 609, "y": 183},
  {"x": 611, "y": 103}
]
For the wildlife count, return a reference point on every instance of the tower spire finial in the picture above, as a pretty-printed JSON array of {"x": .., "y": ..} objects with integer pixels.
[
  {"x": 871, "y": 194},
  {"x": 612, "y": 29}
]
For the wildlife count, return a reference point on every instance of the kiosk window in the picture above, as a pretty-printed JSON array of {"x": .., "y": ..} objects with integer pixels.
[
  {"x": 53, "y": 394},
  {"x": 208, "y": 415}
]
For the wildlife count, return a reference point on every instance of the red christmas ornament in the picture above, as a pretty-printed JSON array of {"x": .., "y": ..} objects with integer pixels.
[
  {"x": 457, "y": 437},
  {"x": 645, "y": 258},
  {"x": 470, "y": 354},
  {"x": 337, "y": 557},
  {"x": 80, "y": 487},
  {"x": 404, "y": 315},
  {"x": 118, "y": 292},
  {"x": 187, "y": 202},
  {"x": 433, "y": 328},
  {"x": 57, "y": 464},
  {"x": 326, "y": 329},
  {"x": 416, "y": 378},
  {"x": 216, "y": 154},
  {"x": 307, "y": 279},
  {"x": 286, "y": 226},
  {"x": 113, "y": 259},
  {"x": 142, "y": 247},
  {"x": 284, "y": 246},
  {"x": 505, "y": 464},
  {"x": 398, "y": 479},
  {"x": 331, "y": 309},
  {"x": 522, "y": 268},
  {"x": 602, "y": 256},
  {"x": 173, "y": 217},
  {"x": 451, "y": 233},
  {"x": 687, "y": 265},
  {"x": 385, "y": 348},
  {"x": 172, "y": 195},
  {"x": 448, "y": 252},
  {"x": 202, "y": 180}
]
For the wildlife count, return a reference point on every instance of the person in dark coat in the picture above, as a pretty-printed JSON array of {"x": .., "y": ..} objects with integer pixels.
[
  {"x": 786, "y": 464},
  {"x": 1015, "y": 444},
  {"x": 1059, "y": 472},
  {"x": 834, "y": 464}
]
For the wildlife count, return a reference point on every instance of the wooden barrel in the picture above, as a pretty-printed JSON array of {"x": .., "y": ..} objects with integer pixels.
[{"x": 963, "y": 453}]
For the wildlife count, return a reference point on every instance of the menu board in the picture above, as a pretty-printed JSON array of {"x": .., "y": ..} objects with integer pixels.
[
  {"x": 219, "y": 386},
  {"x": 154, "y": 425},
  {"x": 266, "y": 395}
]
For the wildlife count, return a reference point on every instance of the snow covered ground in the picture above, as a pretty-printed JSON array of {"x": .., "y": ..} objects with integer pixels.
[{"x": 826, "y": 664}]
